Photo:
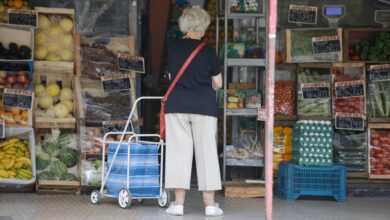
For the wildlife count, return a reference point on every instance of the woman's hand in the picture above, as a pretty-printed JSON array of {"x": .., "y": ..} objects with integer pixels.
[{"x": 217, "y": 81}]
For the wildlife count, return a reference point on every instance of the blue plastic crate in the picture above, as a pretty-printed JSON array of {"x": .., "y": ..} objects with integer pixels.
[{"x": 295, "y": 181}]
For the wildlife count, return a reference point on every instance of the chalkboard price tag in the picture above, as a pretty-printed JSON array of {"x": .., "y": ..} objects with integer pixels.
[
  {"x": 328, "y": 44},
  {"x": 2, "y": 129},
  {"x": 302, "y": 14},
  {"x": 349, "y": 121},
  {"x": 315, "y": 90},
  {"x": 22, "y": 17},
  {"x": 117, "y": 82},
  {"x": 380, "y": 72},
  {"x": 382, "y": 17},
  {"x": 350, "y": 89},
  {"x": 17, "y": 98},
  {"x": 115, "y": 126},
  {"x": 131, "y": 63}
]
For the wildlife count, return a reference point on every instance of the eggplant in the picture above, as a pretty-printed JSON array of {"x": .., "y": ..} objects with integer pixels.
[{"x": 13, "y": 47}]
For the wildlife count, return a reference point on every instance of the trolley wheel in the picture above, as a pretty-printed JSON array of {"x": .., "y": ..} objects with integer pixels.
[
  {"x": 96, "y": 197},
  {"x": 124, "y": 198},
  {"x": 164, "y": 199}
]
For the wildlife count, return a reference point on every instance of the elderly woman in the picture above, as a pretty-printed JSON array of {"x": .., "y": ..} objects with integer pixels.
[{"x": 191, "y": 115}]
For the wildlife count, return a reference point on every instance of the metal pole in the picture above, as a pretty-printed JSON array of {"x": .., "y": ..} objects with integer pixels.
[{"x": 270, "y": 81}]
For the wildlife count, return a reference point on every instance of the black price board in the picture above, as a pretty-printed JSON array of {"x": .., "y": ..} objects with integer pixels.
[
  {"x": 22, "y": 17},
  {"x": 328, "y": 44},
  {"x": 315, "y": 90},
  {"x": 380, "y": 72},
  {"x": 302, "y": 14},
  {"x": 2, "y": 129},
  {"x": 117, "y": 82},
  {"x": 131, "y": 63},
  {"x": 349, "y": 121},
  {"x": 115, "y": 126},
  {"x": 382, "y": 17},
  {"x": 18, "y": 98},
  {"x": 350, "y": 89}
]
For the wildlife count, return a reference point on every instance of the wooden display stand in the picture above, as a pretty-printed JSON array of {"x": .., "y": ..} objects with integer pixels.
[
  {"x": 384, "y": 126},
  {"x": 244, "y": 190},
  {"x": 57, "y": 187}
]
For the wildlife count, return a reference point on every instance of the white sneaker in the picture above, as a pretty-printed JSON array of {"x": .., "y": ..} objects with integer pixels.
[
  {"x": 174, "y": 209},
  {"x": 213, "y": 210}
]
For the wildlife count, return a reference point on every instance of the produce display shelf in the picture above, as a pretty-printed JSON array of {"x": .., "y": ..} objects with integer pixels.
[
  {"x": 285, "y": 118},
  {"x": 235, "y": 189},
  {"x": 245, "y": 62},
  {"x": 357, "y": 175},
  {"x": 245, "y": 162},
  {"x": 315, "y": 118},
  {"x": 379, "y": 120},
  {"x": 56, "y": 187},
  {"x": 242, "y": 112}
]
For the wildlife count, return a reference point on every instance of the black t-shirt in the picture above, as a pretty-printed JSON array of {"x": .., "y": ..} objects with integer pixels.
[{"x": 193, "y": 93}]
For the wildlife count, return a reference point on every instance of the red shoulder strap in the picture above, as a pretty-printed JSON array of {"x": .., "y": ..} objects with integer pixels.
[{"x": 182, "y": 69}]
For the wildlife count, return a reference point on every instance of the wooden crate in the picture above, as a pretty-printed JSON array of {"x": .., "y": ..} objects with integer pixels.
[
  {"x": 57, "y": 187},
  {"x": 62, "y": 73},
  {"x": 244, "y": 190},
  {"x": 310, "y": 57},
  {"x": 355, "y": 36},
  {"x": 21, "y": 35},
  {"x": 382, "y": 127},
  {"x": 63, "y": 12}
]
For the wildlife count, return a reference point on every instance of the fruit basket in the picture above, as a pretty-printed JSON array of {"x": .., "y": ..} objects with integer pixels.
[
  {"x": 54, "y": 92},
  {"x": 11, "y": 4},
  {"x": 16, "y": 43},
  {"x": 17, "y": 157}
]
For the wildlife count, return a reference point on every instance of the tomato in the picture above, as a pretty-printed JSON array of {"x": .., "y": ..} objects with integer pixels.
[
  {"x": 377, "y": 172},
  {"x": 374, "y": 134},
  {"x": 374, "y": 142},
  {"x": 379, "y": 166},
  {"x": 382, "y": 139},
  {"x": 372, "y": 153},
  {"x": 386, "y": 171},
  {"x": 372, "y": 161}
]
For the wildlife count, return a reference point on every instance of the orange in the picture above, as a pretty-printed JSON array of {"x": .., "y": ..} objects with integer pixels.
[
  {"x": 10, "y": 3},
  {"x": 18, "y": 117},
  {"x": 18, "y": 3},
  {"x": 25, "y": 114},
  {"x": 15, "y": 111}
]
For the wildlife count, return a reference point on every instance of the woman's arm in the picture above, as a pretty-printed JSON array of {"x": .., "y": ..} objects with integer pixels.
[{"x": 217, "y": 81}]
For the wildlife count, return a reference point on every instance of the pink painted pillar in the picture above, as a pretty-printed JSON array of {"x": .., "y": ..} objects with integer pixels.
[{"x": 270, "y": 83}]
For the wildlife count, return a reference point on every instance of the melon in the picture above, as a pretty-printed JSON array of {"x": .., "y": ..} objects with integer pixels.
[
  {"x": 42, "y": 161},
  {"x": 58, "y": 168},
  {"x": 61, "y": 111},
  {"x": 68, "y": 177},
  {"x": 66, "y": 94},
  {"x": 53, "y": 89},
  {"x": 45, "y": 101},
  {"x": 64, "y": 140},
  {"x": 40, "y": 53},
  {"x": 55, "y": 30},
  {"x": 68, "y": 104},
  {"x": 39, "y": 89},
  {"x": 52, "y": 149},
  {"x": 69, "y": 156},
  {"x": 46, "y": 175},
  {"x": 66, "y": 55},
  {"x": 53, "y": 57},
  {"x": 43, "y": 22},
  {"x": 67, "y": 40},
  {"x": 66, "y": 25}
]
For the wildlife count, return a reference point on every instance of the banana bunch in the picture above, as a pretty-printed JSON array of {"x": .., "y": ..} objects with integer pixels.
[{"x": 15, "y": 159}]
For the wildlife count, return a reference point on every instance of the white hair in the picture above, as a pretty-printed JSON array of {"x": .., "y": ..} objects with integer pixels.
[{"x": 194, "y": 19}]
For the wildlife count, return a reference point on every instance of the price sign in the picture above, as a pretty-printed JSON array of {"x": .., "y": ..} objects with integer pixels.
[
  {"x": 380, "y": 72},
  {"x": 18, "y": 98},
  {"x": 117, "y": 82},
  {"x": 328, "y": 44},
  {"x": 350, "y": 89},
  {"x": 302, "y": 14},
  {"x": 349, "y": 121},
  {"x": 131, "y": 63},
  {"x": 2, "y": 128},
  {"x": 262, "y": 115},
  {"x": 382, "y": 17},
  {"x": 22, "y": 17},
  {"x": 115, "y": 126},
  {"x": 315, "y": 90}
]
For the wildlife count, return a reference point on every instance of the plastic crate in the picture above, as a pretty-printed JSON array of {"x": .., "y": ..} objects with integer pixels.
[{"x": 295, "y": 181}]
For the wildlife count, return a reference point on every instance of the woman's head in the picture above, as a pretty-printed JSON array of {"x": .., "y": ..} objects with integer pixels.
[{"x": 194, "y": 20}]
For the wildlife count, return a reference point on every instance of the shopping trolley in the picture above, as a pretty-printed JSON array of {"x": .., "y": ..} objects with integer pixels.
[{"x": 135, "y": 167}]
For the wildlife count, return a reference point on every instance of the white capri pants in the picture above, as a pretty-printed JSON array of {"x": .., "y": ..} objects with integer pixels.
[{"x": 184, "y": 134}]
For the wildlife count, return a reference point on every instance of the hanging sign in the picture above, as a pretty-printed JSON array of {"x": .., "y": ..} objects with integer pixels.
[
  {"x": 380, "y": 72},
  {"x": 315, "y": 90},
  {"x": 2, "y": 128},
  {"x": 349, "y": 121},
  {"x": 350, "y": 89},
  {"x": 302, "y": 14},
  {"x": 117, "y": 82},
  {"x": 382, "y": 17},
  {"x": 328, "y": 44},
  {"x": 18, "y": 98},
  {"x": 22, "y": 17},
  {"x": 115, "y": 126},
  {"x": 131, "y": 63}
]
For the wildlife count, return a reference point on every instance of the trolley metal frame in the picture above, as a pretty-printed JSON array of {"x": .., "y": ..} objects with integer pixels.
[{"x": 124, "y": 195}]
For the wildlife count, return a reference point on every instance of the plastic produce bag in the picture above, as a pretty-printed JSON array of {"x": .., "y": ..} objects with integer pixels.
[
  {"x": 91, "y": 172},
  {"x": 284, "y": 98},
  {"x": 310, "y": 107},
  {"x": 380, "y": 151},
  {"x": 379, "y": 99}
]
